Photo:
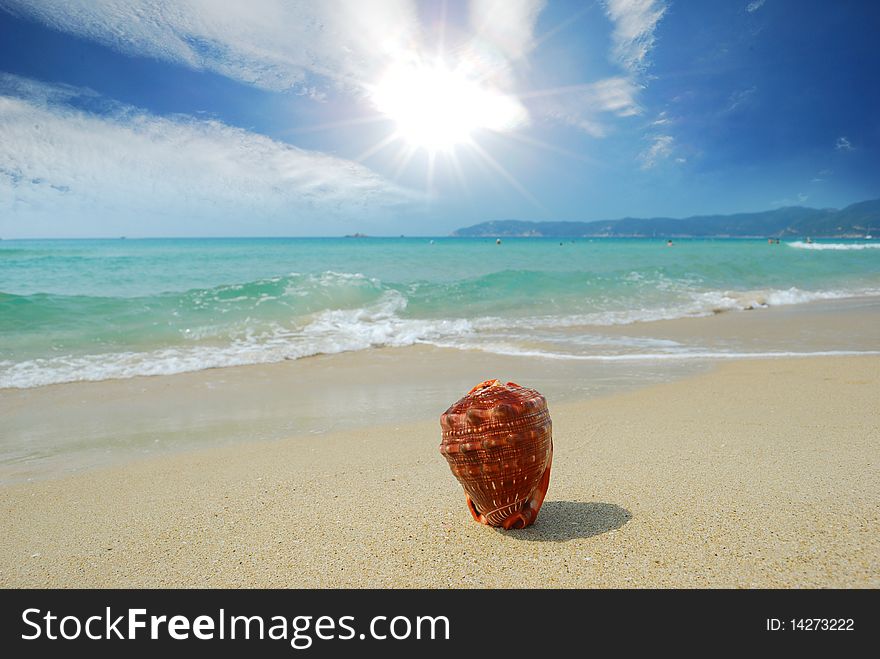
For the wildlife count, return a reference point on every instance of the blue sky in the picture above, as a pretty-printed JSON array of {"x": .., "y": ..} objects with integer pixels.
[{"x": 200, "y": 118}]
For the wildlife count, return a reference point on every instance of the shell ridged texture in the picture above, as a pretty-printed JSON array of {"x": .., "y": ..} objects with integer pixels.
[{"x": 498, "y": 442}]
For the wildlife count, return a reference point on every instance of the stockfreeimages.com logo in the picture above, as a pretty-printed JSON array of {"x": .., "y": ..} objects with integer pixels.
[{"x": 299, "y": 631}]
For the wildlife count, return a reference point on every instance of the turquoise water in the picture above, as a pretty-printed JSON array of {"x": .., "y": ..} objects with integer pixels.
[{"x": 96, "y": 309}]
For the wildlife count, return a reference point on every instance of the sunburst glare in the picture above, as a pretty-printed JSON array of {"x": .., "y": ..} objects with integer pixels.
[{"x": 436, "y": 107}]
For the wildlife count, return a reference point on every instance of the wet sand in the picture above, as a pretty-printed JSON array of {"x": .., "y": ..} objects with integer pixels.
[
  {"x": 63, "y": 429},
  {"x": 759, "y": 473}
]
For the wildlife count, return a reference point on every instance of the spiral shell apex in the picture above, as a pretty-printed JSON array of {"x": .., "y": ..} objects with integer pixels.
[{"x": 498, "y": 441}]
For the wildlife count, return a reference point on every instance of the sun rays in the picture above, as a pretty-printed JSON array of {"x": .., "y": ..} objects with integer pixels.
[{"x": 443, "y": 103}]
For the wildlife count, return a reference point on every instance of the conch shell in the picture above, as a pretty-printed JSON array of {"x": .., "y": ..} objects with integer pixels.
[{"x": 498, "y": 441}]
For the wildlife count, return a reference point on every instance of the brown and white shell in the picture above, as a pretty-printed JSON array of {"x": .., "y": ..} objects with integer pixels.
[{"x": 498, "y": 441}]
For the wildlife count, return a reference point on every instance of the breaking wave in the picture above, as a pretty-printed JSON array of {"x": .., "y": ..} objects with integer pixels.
[
  {"x": 49, "y": 339},
  {"x": 840, "y": 247}
]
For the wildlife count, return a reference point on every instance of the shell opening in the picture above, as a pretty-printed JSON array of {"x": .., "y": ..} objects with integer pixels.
[{"x": 485, "y": 385}]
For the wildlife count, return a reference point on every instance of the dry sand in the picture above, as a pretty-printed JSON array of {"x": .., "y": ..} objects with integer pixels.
[{"x": 757, "y": 474}]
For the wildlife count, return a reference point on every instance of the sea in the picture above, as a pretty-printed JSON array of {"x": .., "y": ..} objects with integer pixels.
[{"x": 74, "y": 310}]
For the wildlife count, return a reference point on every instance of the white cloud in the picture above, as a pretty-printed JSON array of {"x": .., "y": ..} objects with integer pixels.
[
  {"x": 660, "y": 149},
  {"x": 799, "y": 198},
  {"x": 661, "y": 120},
  {"x": 304, "y": 45},
  {"x": 271, "y": 44},
  {"x": 843, "y": 144},
  {"x": 63, "y": 168},
  {"x": 740, "y": 98},
  {"x": 755, "y": 6},
  {"x": 634, "y": 24},
  {"x": 507, "y": 24},
  {"x": 300, "y": 45},
  {"x": 582, "y": 106},
  {"x": 615, "y": 95}
]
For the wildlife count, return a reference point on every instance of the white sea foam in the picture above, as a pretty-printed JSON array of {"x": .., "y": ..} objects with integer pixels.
[
  {"x": 382, "y": 324},
  {"x": 745, "y": 300},
  {"x": 328, "y": 332},
  {"x": 513, "y": 351},
  {"x": 696, "y": 304},
  {"x": 833, "y": 246},
  {"x": 579, "y": 339}
]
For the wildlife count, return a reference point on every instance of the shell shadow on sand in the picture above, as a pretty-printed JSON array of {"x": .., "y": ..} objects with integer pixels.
[{"x": 560, "y": 521}]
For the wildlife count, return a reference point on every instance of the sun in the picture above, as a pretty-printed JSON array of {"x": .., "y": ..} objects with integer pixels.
[{"x": 437, "y": 108}]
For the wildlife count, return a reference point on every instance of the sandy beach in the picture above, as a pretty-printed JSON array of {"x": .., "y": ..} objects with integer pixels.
[
  {"x": 250, "y": 255},
  {"x": 757, "y": 473}
]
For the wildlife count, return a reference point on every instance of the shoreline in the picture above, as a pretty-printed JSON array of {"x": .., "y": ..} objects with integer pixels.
[
  {"x": 59, "y": 429},
  {"x": 77, "y": 427},
  {"x": 759, "y": 473},
  {"x": 730, "y": 304}
]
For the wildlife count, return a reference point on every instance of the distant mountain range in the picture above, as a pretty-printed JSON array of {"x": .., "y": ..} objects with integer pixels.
[{"x": 854, "y": 221}]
